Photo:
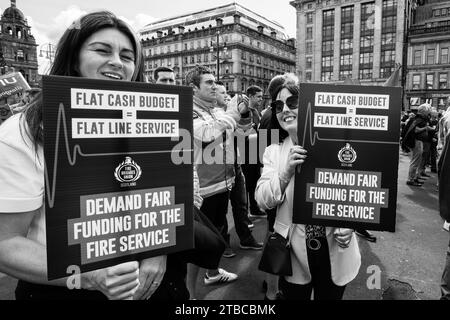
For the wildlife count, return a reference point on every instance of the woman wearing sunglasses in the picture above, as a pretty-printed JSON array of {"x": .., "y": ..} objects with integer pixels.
[{"x": 324, "y": 260}]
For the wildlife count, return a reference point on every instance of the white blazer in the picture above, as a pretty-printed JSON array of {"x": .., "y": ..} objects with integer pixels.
[{"x": 345, "y": 263}]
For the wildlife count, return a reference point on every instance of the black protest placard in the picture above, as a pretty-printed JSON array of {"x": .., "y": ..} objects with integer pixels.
[
  {"x": 11, "y": 84},
  {"x": 349, "y": 178},
  {"x": 115, "y": 188}
]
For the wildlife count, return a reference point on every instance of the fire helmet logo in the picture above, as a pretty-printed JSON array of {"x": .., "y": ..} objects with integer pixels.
[
  {"x": 347, "y": 154},
  {"x": 128, "y": 171}
]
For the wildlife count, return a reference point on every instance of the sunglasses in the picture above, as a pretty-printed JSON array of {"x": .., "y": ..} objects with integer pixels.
[{"x": 291, "y": 102}]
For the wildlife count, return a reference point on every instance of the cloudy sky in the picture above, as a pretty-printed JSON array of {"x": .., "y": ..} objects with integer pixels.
[{"x": 49, "y": 18}]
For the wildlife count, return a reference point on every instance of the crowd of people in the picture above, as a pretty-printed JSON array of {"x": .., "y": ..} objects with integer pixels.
[{"x": 324, "y": 259}]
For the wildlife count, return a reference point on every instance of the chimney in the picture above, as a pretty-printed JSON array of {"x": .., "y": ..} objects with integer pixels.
[
  {"x": 260, "y": 29},
  {"x": 237, "y": 18},
  {"x": 219, "y": 22},
  {"x": 159, "y": 33},
  {"x": 181, "y": 29}
]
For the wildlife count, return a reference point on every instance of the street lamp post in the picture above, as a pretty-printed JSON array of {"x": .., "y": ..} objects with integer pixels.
[
  {"x": 47, "y": 50},
  {"x": 218, "y": 52}
]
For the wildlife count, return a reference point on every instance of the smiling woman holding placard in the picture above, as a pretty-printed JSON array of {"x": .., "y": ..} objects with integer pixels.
[
  {"x": 97, "y": 46},
  {"x": 323, "y": 259}
]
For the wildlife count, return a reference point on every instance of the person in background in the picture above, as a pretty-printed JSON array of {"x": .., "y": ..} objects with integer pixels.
[
  {"x": 164, "y": 75},
  {"x": 183, "y": 267},
  {"x": 213, "y": 130},
  {"x": 238, "y": 198},
  {"x": 250, "y": 121},
  {"x": 444, "y": 209},
  {"x": 419, "y": 130}
]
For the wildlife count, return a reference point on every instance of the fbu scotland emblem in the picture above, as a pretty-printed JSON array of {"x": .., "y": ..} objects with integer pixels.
[
  {"x": 347, "y": 155},
  {"x": 128, "y": 172}
]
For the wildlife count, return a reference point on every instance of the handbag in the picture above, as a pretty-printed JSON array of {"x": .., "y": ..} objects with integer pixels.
[{"x": 276, "y": 256}]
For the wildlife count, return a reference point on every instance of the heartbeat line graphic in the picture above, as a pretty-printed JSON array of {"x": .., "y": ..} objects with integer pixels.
[
  {"x": 72, "y": 156},
  {"x": 313, "y": 137}
]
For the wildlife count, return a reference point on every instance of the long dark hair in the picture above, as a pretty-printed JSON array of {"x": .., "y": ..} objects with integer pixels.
[
  {"x": 274, "y": 124},
  {"x": 67, "y": 60}
]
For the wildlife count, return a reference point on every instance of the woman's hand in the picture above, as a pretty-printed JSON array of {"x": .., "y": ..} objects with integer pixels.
[
  {"x": 243, "y": 103},
  {"x": 151, "y": 273},
  {"x": 119, "y": 282},
  {"x": 297, "y": 155},
  {"x": 343, "y": 237}
]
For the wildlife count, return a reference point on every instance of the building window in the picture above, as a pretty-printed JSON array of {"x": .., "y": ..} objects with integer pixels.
[
  {"x": 367, "y": 18},
  {"x": 328, "y": 17},
  {"x": 444, "y": 55},
  {"x": 347, "y": 60},
  {"x": 365, "y": 73},
  {"x": 309, "y": 47},
  {"x": 344, "y": 74},
  {"x": 430, "y": 81},
  {"x": 327, "y": 61},
  {"x": 347, "y": 29},
  {"x": 20, "y": 55},
  {"x": 386, "y": 72},
  {"x": 308, "y": 76},
  {"x": 309, "y": 33},
  {"x": 309, "y": 17},
  {"x": 206, "y": 57},
  {"x": 389, "y": 23},
  {"x": 416, "y": 82},
  {"x": 430, "y": 56},
  {"x": 366, "y": 60},
  {"x": 327, "y": 47},
  {"x": 442, "y": 81},
  {"x": 327, "y": 32},
  {"x": 346, "y": 44},
  {"x": 192, "y": 59},
  {"x": 418, "y": 57},
  {"x": 199, "y": 58},
  {"x": 388, "y": 39},
  {"x": 347, "y": 13},
  {"x": 387, "y": 56},
  {"x": 326, "y": 75},
  {"x": 366, "y": 42},
  {"x": 308, "y": 62}
]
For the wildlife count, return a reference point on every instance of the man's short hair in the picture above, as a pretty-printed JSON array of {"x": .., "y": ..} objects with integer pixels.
[
  {"x": 252, "y": 90},
  {"x": 194, "y": 75},
  {"x": 161, "y": 69}
]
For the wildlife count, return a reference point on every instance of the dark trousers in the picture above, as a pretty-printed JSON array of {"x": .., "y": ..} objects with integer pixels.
[
  {"x": 239, "y": 205},
  {"x": 252, "y": 174},
  {"x": 425, "y": 157},
  {"x": 433, "y": 155},
  {"x": 324, "y": 288},
  {"x": 445, "y": 281},
  {"x": 215, "y": 208}
]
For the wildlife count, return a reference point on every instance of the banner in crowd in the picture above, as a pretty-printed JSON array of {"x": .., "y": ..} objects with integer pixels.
[
  {"x": 11, "y": 84},
  {"x": 113, "y": 193},
  {"x": 349, "y": 178}
]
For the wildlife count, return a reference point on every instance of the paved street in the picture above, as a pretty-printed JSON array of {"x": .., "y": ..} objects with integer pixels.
[{"x": 410, "y": 260}]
